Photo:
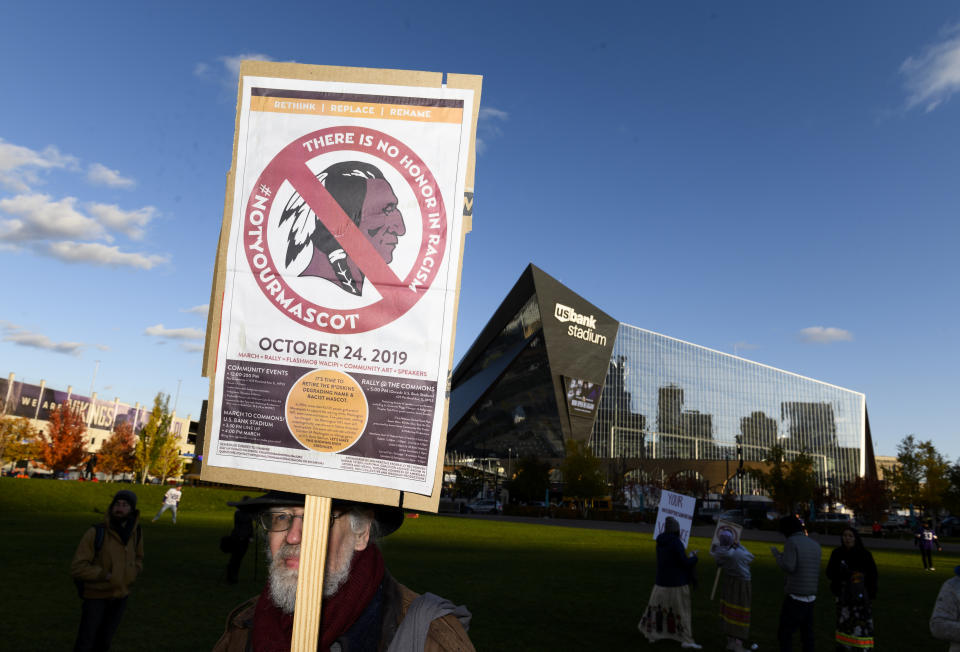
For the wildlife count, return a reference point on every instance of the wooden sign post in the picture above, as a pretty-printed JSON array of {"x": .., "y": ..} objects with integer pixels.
[{"x": 313, "y": 557}]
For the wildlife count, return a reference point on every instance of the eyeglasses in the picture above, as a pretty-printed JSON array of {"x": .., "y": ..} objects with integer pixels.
[{"x": 281, "y": 521}]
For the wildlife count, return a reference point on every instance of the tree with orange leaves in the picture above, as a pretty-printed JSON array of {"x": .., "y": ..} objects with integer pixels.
[
  {"x": 117, "y": 453},
  {"x": 64, "y": 445}
]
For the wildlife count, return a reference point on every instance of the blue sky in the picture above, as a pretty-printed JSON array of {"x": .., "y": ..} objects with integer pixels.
[{"x": 782, "y": 182}]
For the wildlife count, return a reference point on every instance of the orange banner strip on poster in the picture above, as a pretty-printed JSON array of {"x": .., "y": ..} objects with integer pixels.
[{"x": 408, "y": 112}]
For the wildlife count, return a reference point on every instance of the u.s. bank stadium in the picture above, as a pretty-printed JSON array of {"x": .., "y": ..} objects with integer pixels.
[{"x": 549, "y": 367}]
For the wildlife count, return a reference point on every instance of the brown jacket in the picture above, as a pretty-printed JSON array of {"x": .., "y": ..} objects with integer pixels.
[
  {"x": 123, "y": 563},
  {"x": 445, "y": 635}
]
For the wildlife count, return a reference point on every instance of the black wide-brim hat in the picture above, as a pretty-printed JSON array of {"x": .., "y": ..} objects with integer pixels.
[{"x": 388, "y": 517}]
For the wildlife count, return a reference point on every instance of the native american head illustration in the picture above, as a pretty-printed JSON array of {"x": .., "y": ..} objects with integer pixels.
[{"x": 368, "y": 199}]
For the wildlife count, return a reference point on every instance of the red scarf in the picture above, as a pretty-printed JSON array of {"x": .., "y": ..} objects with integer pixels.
[{"x": 273, "y": 629}]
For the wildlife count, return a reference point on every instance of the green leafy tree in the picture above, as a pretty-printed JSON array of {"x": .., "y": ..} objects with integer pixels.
[
  {"x": 936, "y": 475},
  {"x": 18, "y": 440},
  {"x": 117, "y": 454},
  {"x": 907, "y": 476},
  {"x": 531, "y": 481},
  {"x": 581, "y": 471},
  {"x": 792, "y": 484},
  {"x": 952, "y": 498},
  {"x": 64, "y": 445},
  {"x": 169, "y": 463},
  {"x": 922, "y": 475},
  {"x": 152, "y": 437}
]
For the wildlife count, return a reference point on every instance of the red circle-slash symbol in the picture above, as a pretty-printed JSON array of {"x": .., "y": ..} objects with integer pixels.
[{"x": 397, "y": 294}]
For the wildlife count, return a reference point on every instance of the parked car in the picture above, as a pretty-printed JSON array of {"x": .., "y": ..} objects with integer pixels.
[
  {"x": 950, "y": 527},
  {"x": 895, "y": 522},
  {"x": 740, "y": 517},
  {"x": 485, "y": 506},
  {"x": 834, "y": 517}
]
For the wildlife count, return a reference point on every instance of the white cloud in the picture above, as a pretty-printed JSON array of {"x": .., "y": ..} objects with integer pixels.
[
  {"x": 38, "y": 217},
  {"x": 130, "y": 223},
  {"x": 491, "y": 113},
  {"x": 488, "y": 126},
  {"x": 228, "y": 70},
  {"x": 825, "y": 334},
  {"x": 19, "y": 165},
  {"x": 197, "y": 310},
  {"x": 102, "y": 175},
  {"x": 191, "y": 347},
  {"x": 103, "y": 347},
  {"x": 931, "y": 77},
  {"x": 232, "y": 64},
  {"x": 744, "y": 346},
  {"x": 21, "y": 337},
  {"x": 54, "y": 228},
  {"x": 98, "y": 254},
  {"x": 174, "y": 333}
]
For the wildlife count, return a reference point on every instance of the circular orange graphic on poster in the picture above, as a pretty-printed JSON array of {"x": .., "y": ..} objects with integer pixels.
[{"x": 326, "y": 411}]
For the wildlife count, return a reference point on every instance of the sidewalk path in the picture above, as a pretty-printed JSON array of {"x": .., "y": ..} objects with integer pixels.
[{"x": 898, "y": 541}]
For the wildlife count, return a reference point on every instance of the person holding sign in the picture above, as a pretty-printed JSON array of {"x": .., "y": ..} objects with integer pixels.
[
  {"x": 668, "y": 613},
  {"x": 734, "y": 560},
  {"x": 364, "y": 608}
]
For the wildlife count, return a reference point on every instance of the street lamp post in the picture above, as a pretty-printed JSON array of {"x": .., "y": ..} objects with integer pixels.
[{"x": 740, "y": 475}]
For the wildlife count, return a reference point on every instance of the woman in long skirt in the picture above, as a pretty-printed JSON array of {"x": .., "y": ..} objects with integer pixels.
[
  {"x": 668, "y": 613},
  {"x": 853, "y": 581},
  {"x": 735, "y": 595}
]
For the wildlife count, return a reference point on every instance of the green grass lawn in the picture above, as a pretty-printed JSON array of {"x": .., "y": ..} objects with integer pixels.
[{"x": 530, "y": 587}]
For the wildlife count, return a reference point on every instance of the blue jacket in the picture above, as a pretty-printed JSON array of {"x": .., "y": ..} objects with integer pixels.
[{"x": 674, "y": 567}]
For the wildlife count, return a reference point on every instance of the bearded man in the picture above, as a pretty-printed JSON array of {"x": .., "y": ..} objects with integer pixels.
[{"x": 364, "y": 609}]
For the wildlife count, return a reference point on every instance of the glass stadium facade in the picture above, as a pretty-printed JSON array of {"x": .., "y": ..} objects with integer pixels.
[
  {"x": 664, "y": 398},
  {"x": 549, "y": 367}
]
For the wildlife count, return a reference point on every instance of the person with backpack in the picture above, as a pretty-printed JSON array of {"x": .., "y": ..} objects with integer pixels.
[{"x": 108, "y": 559}]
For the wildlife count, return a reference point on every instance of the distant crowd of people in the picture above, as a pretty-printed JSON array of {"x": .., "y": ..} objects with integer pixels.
[{"x": 851, "y": 571}]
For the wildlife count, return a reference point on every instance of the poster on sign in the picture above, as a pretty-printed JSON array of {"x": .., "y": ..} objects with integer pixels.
[
  {"x": 734, "y": 530},
  {"x": 338, "y": 272},
  {"x": 679, "y": 507}
]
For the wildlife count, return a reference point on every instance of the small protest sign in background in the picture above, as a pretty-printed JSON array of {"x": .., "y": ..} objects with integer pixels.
[{"x": 679, "y": 507}]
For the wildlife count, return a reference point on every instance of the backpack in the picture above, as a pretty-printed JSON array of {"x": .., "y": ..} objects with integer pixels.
[{"x": 100, "y": 531}]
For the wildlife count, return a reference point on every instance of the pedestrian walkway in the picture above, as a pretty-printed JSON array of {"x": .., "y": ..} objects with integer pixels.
[{"x": 896, "y": 541}]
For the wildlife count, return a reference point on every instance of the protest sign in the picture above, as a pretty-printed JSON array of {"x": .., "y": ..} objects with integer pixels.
[
  {"x": 679, "y": 507},
  {"x": 734, "y": 529},
  {"x": 723, "y": 526},
  {"x": 333, "y": 309}
]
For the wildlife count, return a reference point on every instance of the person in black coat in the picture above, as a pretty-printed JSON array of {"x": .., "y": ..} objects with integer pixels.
[
  {"x": 239, "y": 539},
  {"x": 853, "y": 582},
  {"x": 668, "y": 613}
]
